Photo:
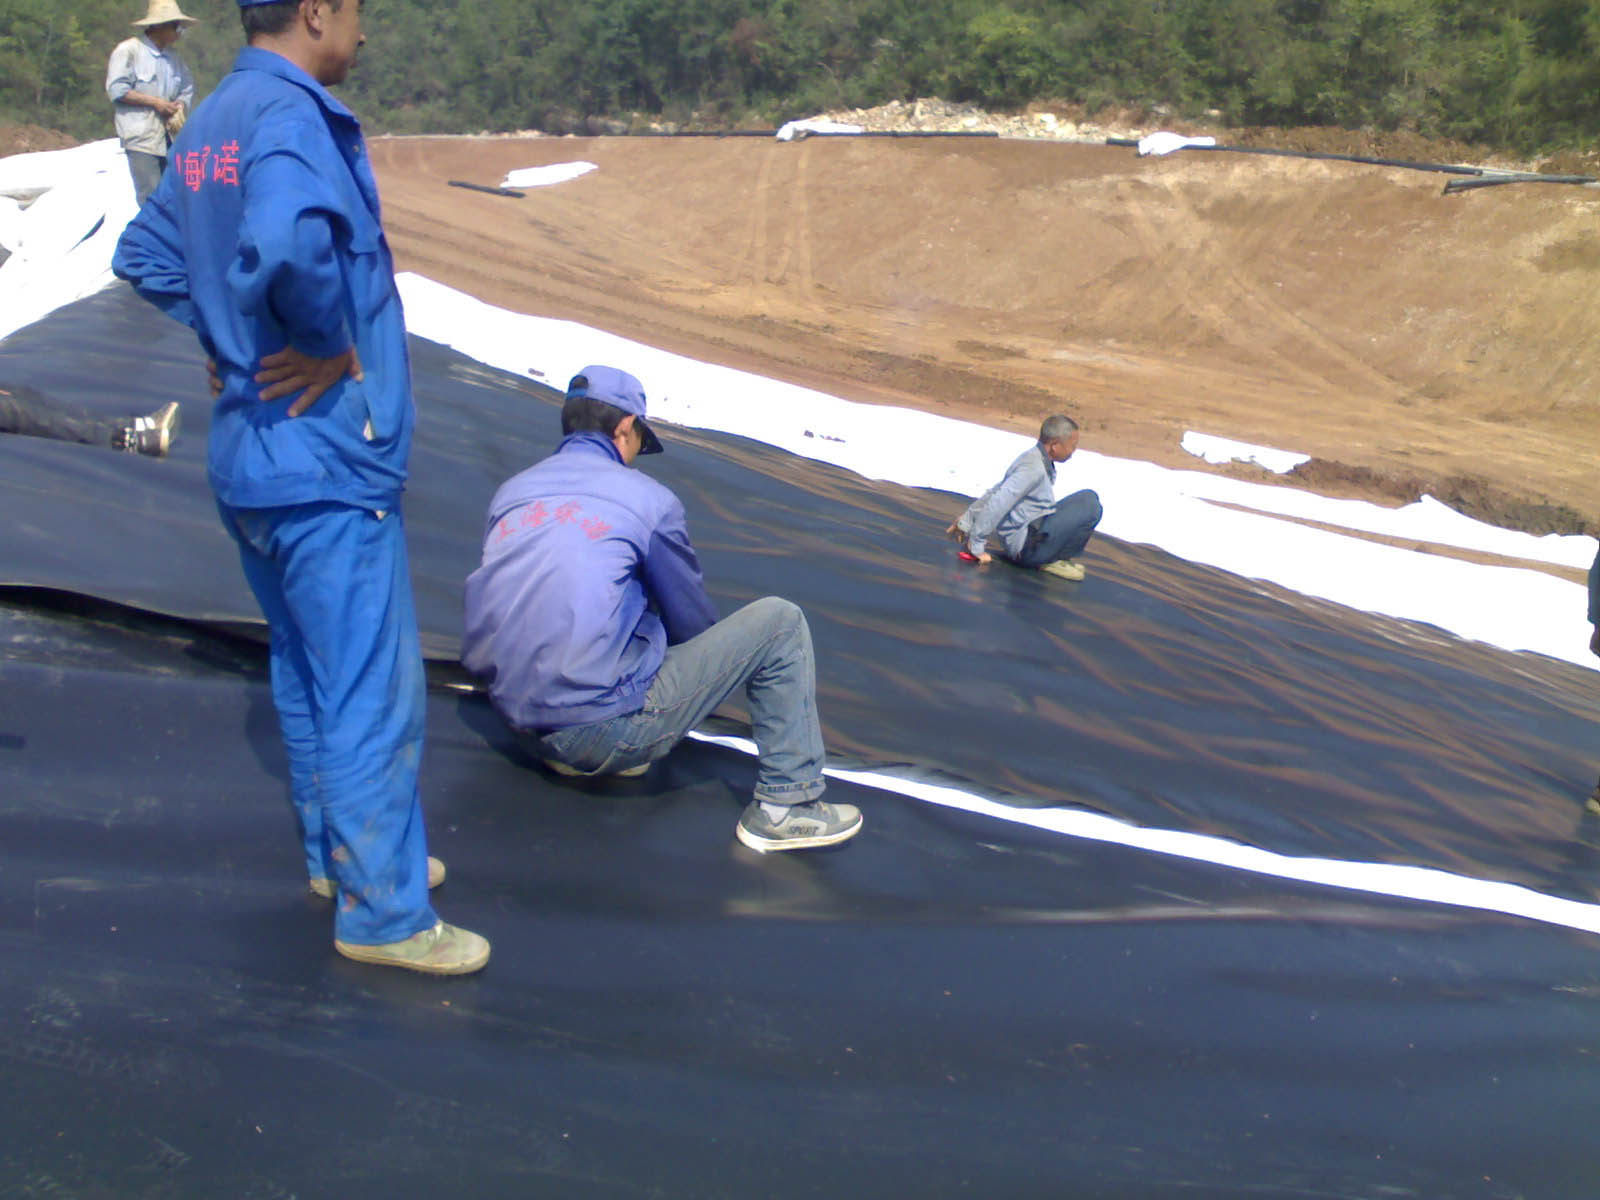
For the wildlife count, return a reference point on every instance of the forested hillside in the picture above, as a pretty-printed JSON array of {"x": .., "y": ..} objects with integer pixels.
[{"x": 1516, "y": 74}]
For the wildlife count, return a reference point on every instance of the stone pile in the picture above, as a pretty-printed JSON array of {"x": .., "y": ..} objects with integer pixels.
[{"x": 941, "y": 116}]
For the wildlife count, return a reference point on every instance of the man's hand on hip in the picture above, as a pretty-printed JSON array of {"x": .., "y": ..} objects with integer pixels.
[{"x": 289, "y": 371}]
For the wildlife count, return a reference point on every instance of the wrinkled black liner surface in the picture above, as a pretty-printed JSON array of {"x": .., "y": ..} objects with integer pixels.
[
  {"x": 949, "y": 1005},
  {"x": 1159, "y": 691}
]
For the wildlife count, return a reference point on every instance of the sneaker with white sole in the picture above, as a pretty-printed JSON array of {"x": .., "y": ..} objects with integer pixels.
[
  {"x": 442, "y": 950},
  {"x": 152, "y": 435},
  {"x": 326, "y": 887},
  {"x": 561, "y": 768},
  {"x": 1063, "y": 568},
  {"x": 803, "y": 827}
]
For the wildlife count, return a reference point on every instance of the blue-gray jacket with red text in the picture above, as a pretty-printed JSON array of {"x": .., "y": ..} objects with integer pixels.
[
  {"x": 1594, "y": 591},
  {"x": 587, "y": 577},
  {"x": 265, "y": 232}
]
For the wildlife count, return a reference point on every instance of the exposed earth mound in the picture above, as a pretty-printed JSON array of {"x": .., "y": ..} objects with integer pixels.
[
  {"x": 1402, "y": 337},
  {"x": 1409, "y": 341}
]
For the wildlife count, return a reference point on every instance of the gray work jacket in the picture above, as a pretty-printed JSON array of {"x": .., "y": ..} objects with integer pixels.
[{"x": 1026, "y": 493}]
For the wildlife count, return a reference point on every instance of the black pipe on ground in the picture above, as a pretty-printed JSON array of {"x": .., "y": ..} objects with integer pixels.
[
  {"x": 1444, "y": 168},
  {"x": 483, "y": 187}
]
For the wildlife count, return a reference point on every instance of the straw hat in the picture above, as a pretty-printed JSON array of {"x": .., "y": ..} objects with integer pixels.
[{"x": 163, "y": 12}]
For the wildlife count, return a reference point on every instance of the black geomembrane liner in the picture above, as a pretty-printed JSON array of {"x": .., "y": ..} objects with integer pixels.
[{"x": 948, "y": 1005}]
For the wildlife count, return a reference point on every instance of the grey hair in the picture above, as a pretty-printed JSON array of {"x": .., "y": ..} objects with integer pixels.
[{"x": 1057, "y": 428}]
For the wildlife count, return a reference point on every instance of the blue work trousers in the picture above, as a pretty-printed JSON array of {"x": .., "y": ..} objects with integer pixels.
[
  {"x": 334, "y": 584},
  {"x": 764, "y": 648},
  {"x": 1062, "y": 533}
]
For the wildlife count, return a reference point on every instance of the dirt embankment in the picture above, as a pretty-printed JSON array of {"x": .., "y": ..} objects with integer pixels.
[
  {"x": 1405, "y": 339},
  {"x": 24, "y": 139}
]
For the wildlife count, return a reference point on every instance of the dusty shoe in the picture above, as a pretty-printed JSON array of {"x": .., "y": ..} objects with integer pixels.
[
  {"x": 561, "y": 768},
  {"x": 1594, "y": 799},
  {"x": 1063, "y": 568},
  {"x": 325, "y": 887},
  {"x": 152, "y": 435},
  {"x": 442, "y": 950},
  {"x": 803, "y": 827}
]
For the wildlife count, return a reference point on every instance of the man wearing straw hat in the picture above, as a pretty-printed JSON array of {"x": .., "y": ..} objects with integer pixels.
[{"x": 151, "y": 91}]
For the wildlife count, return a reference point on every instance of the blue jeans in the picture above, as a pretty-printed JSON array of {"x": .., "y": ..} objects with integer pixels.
[
  {"x": 347, "y": 681},
  {"x": 1062, "y": 533},
  {"x": 764, "y": 648}
]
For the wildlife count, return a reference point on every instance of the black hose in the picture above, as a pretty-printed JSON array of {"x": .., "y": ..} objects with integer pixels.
[
  {"x": 483, "y": 187},
  {"x": 1462, "y": 185},
  {"x": 1444, "y": 168}
]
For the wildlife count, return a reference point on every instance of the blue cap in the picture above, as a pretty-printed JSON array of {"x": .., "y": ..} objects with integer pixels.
[
  {"x": 620, "y": 389},
  {"x": 253, "y": 3}
]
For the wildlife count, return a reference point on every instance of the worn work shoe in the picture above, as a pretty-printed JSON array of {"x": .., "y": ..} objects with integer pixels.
[
  {"x": 561, "y": 768},
  {"x": 803, "y": 827},
  {"x": 326, "y": 887},
  {"x": 152, "y": 435},
  {"x": 1063, "y": 568},
  {"x": 442, "y": 950}
]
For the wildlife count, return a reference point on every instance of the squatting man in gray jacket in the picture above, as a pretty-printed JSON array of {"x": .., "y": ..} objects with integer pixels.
[{"x": 1022, "y": 513}]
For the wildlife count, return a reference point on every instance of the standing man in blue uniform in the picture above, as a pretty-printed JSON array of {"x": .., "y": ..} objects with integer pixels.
[
  {"x": 265, "y": 238},
  {"x": 151, "y": 92},
  {"x": 590, "y": 620}
]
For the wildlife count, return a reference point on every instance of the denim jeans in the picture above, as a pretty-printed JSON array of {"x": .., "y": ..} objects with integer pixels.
[
  {"x": 1062, "y": 533},
  {"x": 764, "y": 648},
  {"x": 347, "y": 681},
  {"x": 30, "y": 413}
]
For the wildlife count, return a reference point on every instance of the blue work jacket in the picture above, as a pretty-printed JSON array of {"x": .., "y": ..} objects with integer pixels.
[
  {"x": 265, "y": 232},
  {"x": 587, "y": 577}
]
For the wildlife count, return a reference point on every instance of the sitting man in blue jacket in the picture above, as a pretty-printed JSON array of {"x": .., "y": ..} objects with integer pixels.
[
  {"x": 591, "y": 623},
  {"x": 1022, "y": 512}
]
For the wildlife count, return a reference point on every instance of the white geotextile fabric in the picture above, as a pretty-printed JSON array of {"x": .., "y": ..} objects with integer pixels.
[
  {"x": 1511, "y": 607},
  {"x": 1166, "y": 143},
  {"x": 66, "y": 210},
  {"x": 10, "y": 223},
  {"x": 66, "y": 248},
  {"x": 25, "y": 176},
  {"x": 794, "y": 129},
  {"x": 1218, "y": 450},
  {"x": 532, "y": 177}
]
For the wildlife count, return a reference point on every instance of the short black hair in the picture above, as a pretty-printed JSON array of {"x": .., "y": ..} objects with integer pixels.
[
  {"x": 266, "y": 20},
  {"x": 585, "y": 414}
]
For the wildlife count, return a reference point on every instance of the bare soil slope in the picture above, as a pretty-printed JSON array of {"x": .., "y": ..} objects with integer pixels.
[{"x": 1401, "y": 337}]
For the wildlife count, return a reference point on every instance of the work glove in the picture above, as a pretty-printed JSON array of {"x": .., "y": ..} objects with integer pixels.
[{"x": 175, "y": 122}]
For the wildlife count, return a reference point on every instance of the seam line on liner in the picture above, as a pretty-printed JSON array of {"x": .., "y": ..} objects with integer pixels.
[{"x": 1428, "y": 884}]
